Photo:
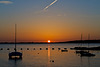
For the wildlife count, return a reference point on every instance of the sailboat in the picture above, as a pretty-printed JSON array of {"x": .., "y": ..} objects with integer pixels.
[
  {"x": 15, "y": 54},
  {"x": 88, "y": 54},
  {"x": 81, "y": 51}
]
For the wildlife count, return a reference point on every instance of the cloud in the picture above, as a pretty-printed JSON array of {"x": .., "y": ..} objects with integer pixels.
[
  {"x": 50, "y": 4},
  {"x": 6, "y": 2}
]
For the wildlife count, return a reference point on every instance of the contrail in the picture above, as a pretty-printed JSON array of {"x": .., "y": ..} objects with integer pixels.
[{"x": 50, "y": 5}]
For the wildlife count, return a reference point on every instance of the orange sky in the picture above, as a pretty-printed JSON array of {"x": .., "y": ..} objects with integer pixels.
[{"x": 63, "y": 21}]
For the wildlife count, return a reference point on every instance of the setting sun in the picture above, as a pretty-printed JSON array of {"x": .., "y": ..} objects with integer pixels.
[{"x": 48, "y": 41}]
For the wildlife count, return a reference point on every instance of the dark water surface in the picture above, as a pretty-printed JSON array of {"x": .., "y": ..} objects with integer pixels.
[{"x": 48, "y": 58}]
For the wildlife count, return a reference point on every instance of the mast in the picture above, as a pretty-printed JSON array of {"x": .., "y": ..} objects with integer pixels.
[
  {"x": 15, "y": 36},
  {"x": 88, "y": 41},
  {"x": 81, "y": 39}
]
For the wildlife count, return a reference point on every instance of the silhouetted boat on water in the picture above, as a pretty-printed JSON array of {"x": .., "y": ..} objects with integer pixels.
[
  {"x": 86, "y": 48},
  {"x": 64, "y": 50},
  {"x": 15, "y": 54},
  {"x": 81, "y": 51},
  {"x": 87, "y": 54}
]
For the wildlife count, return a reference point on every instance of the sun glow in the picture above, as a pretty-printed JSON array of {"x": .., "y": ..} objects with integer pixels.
[{"x": 48, "y": 41}]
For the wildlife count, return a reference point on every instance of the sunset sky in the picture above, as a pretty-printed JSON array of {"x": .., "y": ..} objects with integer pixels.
[{"x": 55, "y": 20}]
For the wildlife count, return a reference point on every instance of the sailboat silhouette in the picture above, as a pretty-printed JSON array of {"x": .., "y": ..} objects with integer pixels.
[
  {"x": 15, "y": 54},
  {"x": 88, "y": 54}
]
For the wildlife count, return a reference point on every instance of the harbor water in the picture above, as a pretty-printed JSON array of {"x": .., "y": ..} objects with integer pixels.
[{"x": 48, "y": 55}]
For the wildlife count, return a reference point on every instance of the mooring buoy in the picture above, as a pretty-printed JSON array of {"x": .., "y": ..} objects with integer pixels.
[
  {"x": 21, "y": 49},
  {"x": 1, "y": 49},
  {"x": 58, "y": 48},
  {"x": 65, "y": 48},
  {"x": 33, "y": 48},
  {"x": 46, "y": 48},
  {"x": 27, "y": 48},
  {"x": 52, "y": 48},
  {"x": 40, "y": 48},
  {"x": 8, "y": 49}
]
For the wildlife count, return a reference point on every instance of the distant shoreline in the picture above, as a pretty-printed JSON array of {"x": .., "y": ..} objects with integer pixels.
[{"x": 75, "y": 41}]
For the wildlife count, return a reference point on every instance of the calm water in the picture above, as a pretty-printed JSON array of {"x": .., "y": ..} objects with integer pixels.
[{"x": 48, "y": 58}]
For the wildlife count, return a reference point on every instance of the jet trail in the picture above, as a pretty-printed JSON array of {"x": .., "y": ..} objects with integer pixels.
[{"x": 50, "y": 5}]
